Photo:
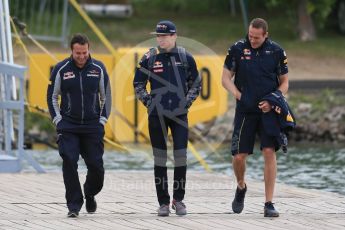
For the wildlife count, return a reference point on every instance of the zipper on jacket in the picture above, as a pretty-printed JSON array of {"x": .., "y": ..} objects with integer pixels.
[
  {"x": 82, "y": 97},
  {"x": 94, "y": 103},
  {"x": 69, "y": 109}
]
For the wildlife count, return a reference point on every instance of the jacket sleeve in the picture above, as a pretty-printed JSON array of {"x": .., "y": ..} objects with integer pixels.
[
  {"x": 230, "y": 59},
  {"x": 53, "y": 92},
  {"x": 140, "y": 81},
  {"x": 105, "y": 96},
  {"x": 193, "y": 82},
  {"x": 283, "y": 63}
]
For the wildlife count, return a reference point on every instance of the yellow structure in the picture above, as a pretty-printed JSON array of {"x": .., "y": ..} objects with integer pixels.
[{"x": 129, "y": 117}]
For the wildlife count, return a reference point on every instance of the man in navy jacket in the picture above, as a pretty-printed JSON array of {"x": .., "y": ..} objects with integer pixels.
[
  {"x": 82, "y": 83},
  {"x": 259, "y": 66},
  {"x": 175, "y": 84}
]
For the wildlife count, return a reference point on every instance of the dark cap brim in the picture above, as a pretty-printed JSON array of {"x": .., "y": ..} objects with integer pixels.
[{"x": 155, "y": 33}]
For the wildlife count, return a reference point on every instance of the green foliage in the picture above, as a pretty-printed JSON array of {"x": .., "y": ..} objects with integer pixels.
[
  {"x": 43, "y": 123},
  {"x": 217, "y": 32},
  {"x": 40, "y": 17},
  {"x": 182, "y": 6},
  {"x": 321, "y": 102},
  {"x": 318, "y": 9}
]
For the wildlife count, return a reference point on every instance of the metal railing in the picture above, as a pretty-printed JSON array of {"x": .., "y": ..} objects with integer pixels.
[
  {"x": 45, "y": 19},
  {"x": 11, "y": 106}
]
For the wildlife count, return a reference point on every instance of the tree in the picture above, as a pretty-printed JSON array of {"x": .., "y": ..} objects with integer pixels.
[
  {"x": 308, "y": 13},
  {"x": 306, "y": 28}
]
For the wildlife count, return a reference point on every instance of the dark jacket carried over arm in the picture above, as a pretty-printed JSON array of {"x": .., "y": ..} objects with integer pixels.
[{"x": 280, "y": 120}]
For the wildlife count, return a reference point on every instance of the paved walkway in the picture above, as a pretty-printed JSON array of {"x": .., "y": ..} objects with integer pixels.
[{"x": 36, "y": 201}]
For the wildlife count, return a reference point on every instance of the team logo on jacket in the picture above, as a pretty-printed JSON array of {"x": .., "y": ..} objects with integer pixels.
[
  {"x": 158, "y": 64},
  {"x": 93, "y": 73},
  {"x": 68, "y": 75},
  {"x": 157, "y": 70},
  {"x": 158, "y": 67},
  {"x": 247, "y": 52},
  {"x": 289, "y": 118}
]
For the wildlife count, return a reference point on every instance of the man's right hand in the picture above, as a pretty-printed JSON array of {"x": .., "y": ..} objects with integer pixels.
[
  {"x": 57, "y": 119},
  {"x": 238, "y": 95},
  {"x": 265, "y": 106}
]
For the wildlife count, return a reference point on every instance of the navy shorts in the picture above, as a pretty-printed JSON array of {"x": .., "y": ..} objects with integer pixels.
[{"x": 246, "y": 126}]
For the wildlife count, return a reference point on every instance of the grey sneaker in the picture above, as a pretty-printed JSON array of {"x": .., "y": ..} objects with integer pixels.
[
  {"x": 163, "y": 210},
  {"x": 179, "y": 207},
  {"x": 269, "y": 210},
  {"x": 238, "y": 202},
  {"x": 72, "y": 214}
]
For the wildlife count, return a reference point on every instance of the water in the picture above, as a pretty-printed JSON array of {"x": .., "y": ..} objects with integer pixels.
[{"x": 306, "y": 165}]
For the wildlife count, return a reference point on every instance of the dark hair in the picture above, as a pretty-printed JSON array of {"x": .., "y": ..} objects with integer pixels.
[
  {"x": 81, "y": 39},
  {"x": 259, "y": 23}
]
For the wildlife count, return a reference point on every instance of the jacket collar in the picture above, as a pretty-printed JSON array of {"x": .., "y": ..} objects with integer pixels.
[
  {"x": 264, "y": 44},
  {"x": 88, "y": 62},
  {"x": 173, "y": 50}
]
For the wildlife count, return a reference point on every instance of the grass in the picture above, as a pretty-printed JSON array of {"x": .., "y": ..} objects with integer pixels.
[
  {"x": 321, "y": 102},
  {"x": 216, "y": 30}
]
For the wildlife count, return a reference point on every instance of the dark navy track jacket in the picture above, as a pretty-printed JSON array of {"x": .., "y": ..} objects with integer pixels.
[
  {"x": 173, "y": 86},
  {"x": 256, "y": 71},
  {"x": 281, "y": 112},
  {"x": 85, "y": 93},
  {"x": 280, "y": 120}
]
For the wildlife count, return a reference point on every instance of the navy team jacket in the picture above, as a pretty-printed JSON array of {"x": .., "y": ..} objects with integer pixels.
[
  {"x": 257, "y": 71},
  {"x": 173, "y": 87},
  {"x": 280, "y": 120},
  {"x": 85, "y": 93}
]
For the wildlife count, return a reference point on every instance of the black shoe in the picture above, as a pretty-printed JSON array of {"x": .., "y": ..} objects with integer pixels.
[
  {"x": 269, "y": 210},
  {"x": 91, "y": 204},
  {"x": 73, "y": 214},
  {"x": 238, "y": 202}
]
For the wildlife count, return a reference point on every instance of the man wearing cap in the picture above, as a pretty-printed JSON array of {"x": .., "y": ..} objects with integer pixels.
[
  {"x": 175, "y": 84},
  {"x": 259, "y": 66}
]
